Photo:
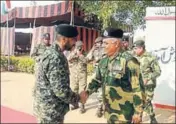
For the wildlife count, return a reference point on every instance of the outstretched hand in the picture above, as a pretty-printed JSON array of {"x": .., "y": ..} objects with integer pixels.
[{"x": 83, "y": 97}]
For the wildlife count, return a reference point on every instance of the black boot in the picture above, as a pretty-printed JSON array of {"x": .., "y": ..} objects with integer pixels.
[
  {"x": 82, "y": 109},
  {"x": 153, "y": 120},
  {"x": 99, "y": 112}
]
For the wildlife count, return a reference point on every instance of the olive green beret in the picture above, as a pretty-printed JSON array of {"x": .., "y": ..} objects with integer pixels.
[{"x": 139, "y": 43}]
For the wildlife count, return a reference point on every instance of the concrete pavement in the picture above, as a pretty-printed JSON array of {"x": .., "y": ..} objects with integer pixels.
[{"x": 16, "y": 93}]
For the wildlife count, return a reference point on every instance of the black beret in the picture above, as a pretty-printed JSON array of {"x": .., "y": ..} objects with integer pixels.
[
  {"x": 46, "y": 36},
  {"x": 113, "y": 32},
  {"x": 139, "y": 43},
  {"x": 66, "y": 30}
]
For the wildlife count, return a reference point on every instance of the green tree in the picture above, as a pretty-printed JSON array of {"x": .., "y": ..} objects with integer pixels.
[{"x": 115, "y": 13}]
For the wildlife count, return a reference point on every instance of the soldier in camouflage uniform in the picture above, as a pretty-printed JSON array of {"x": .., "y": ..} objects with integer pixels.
[
  {"x": 125, "y": 45},
  {"x": 150, "y": 70},
  {"x": 40, "y": 48},
  {"x": 95, "y": 55},
  {"x": 119, "y": 75},
  {"x": 52, "y": 88},
  {"x": 78, "y": 71}
]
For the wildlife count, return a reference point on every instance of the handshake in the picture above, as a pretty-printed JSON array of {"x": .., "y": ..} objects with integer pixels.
[{"x": 83, "y": 97}]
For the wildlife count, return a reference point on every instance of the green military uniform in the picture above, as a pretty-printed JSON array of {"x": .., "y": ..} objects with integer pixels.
[
  {"x": 120, "y": 78},
  {"x": 128, "y": 49},
  {"x": 36, "y": 54},
  {"x": 78, "y": 71},
  {"x": 150, "y": 70},
  {"x": 122, "y": 92},
  {"x": 52, "y": 88},
  {"x": 38, "y": 50}
]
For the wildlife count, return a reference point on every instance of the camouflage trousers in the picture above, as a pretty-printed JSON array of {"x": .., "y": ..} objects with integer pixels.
[
  {"x": 36, "y": 68},
  {"x": 100, "y": 98},
  {"x": 35, "y": 74},
  {"x": 78, "y": 82},
  {"x": 46, "y": 113},
  {"x": 148, "y": 107}
]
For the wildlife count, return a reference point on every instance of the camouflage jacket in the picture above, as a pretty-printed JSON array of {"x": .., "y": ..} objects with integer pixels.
[
  {"x": 77, "y": 63},
  {"x": 38, "y": 50},
  {"x": 121, "y": 81},
  {"x": 52, "y": 87},
  {"x": 130, "y": 51},
  {"x": 149, "y": 67}
]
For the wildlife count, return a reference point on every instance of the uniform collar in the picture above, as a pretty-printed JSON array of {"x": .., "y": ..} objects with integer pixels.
[
  {"x": 143, "y": 54},
  {"x": 56, "y": 47},
  {"x": 115, "y": 55}
]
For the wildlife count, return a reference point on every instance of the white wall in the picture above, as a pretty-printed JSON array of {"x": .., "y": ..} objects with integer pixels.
[
  {"x": 160, "y": 33},
  {"x": 160, "y": 36}
]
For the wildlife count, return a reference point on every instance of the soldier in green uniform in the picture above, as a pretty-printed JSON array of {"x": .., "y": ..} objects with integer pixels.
[
  {"x": 95, "y": 55},
  {"x": 78, "y": 71},
  {"x": 119, "y": 75},
  {"x": 150, "y": 70},
  {"x": 40, "y": 48},
  {"x": 53, "y": 94},
  {"x": 125, "y": 45}
]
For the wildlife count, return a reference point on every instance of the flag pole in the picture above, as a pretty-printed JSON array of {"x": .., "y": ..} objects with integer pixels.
[
  {"x": 8, "y": 43},
  {"x": 72, "y": 14}
]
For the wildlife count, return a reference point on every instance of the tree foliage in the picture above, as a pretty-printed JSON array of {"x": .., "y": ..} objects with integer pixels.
[{"x": 124, "y": 12}]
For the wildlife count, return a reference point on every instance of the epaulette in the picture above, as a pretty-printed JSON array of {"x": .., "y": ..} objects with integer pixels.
[
  {"x": 134, "y": 60},
  {"x": 129, "y": 57}
]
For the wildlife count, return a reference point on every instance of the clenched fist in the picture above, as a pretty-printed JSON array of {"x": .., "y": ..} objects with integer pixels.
[{"x": 137, "y": 119}]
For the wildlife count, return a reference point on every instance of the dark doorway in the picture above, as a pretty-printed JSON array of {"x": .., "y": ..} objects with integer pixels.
[{"x": 22, "y": 43}]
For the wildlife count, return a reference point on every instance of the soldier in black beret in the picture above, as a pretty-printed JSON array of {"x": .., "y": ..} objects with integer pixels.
[
  {"x": 52, "y": 92},
  {"x": 118, "y": 75},
  {"x": 69, "y": 32}
]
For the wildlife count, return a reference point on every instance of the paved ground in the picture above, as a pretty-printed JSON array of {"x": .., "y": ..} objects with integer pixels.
[{"x": 16, "y": 94}]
